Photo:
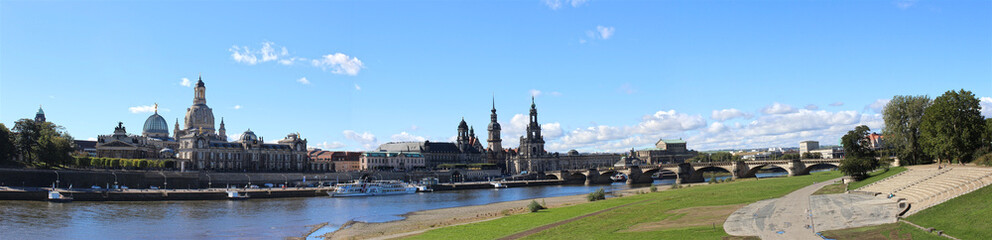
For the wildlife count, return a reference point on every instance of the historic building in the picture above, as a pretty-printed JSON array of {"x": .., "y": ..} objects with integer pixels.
[
  {"x": 531, "y": 157},
  {"x": 334, "y": 161},
  {"x": 154, "y": 141},
  {"x": 393, "y": 161},
  {"x": 494, "y": 153},
  {"x": 201, "y": 146},
  {"x": 467, "y": 148},
  {"x": 40, "y": 116},
  {"x": 666, "y": 151}
]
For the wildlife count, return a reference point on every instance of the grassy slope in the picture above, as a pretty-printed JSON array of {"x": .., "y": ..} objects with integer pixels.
[
  {"x": 964, "y": 217},
  {"x": 875, "y": 176},
  {"x": 655, "y": 209},
  {"x": 831, "y": 189},
  {"x": 885, "y": 231}
]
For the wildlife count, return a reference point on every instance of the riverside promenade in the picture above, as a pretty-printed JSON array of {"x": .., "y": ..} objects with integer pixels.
[{"x": 41, "y": 194}]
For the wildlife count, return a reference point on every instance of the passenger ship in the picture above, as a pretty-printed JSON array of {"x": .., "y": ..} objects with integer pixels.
[{"x": 373, "y": 188}]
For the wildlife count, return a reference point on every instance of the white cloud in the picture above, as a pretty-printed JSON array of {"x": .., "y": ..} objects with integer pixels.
[
  {"x": 330, "y": 146},
  {"x": 406, "y": 137},
  {"x": 366, "y": 140},
  {"x": 837, "y": 104},
  {"x": 778, "y": 108},
  {"x": 186, "y": 82},
  {"x": 303, "y": 80},
  {"x": 237, "y": 107},
  {"x": 986, "y": 104},
  {"x": 727, "y": 114},
  {"x": 414, "y": 127},
  {"x": 812, "y": 107},
  {"x": 605, "y": 32},
  {"x": 91, "y": 139},
  {"x": 878, "y": 106},
  {"x": 359, "y": 88},
  {"x": 783, "y": 128},
  {"x": 243, "y": 55},
  {"x": 339, "y": 63},
  {"x": 535, "y": 93},
  {"x": 142, "y": 109},
  {"x": 577, "y": 3}
]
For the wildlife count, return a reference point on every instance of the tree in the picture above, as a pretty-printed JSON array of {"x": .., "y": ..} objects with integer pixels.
[
  {"x": 952, "y": 127},
  {"x": 42, "y": 142},
  {"x": 789, "y": 156},
  {"x": 6, "y": 145},
  {"x": 859, "y": 157},
  {"x": 812, "y": 155},
  {"x": 903, "y": 116}
]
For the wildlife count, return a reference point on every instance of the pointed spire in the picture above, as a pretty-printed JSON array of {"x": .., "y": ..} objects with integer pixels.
[
  {"x": 533, "y": 104},
  {"x": 156, "y": 108},
  {"x": 494, "y": 102}
]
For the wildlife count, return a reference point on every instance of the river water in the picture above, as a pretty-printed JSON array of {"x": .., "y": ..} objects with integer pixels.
[{"x": 255, "y": 218}]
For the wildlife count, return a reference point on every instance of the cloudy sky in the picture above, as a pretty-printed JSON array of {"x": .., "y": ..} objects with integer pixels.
[{"x": 607, "y": 75}]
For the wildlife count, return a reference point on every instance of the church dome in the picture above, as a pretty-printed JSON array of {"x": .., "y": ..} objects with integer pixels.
[
  {"x": 248, "y": 136},
  {"x": 155, "y": 124},
  {"x": 494, "y": 126},
  {"x": 463, "y": 125}
]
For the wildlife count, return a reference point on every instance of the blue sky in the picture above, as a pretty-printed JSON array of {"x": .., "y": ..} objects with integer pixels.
[{"x": 607, "y": 75}]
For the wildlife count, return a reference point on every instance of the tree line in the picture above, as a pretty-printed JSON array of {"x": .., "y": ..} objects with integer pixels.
[
  {"x": 920, "y": 130},
  {"x": 37, "y": 144}
]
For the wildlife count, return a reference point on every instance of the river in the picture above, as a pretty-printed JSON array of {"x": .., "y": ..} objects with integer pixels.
[{"x": 256, "y": 218}]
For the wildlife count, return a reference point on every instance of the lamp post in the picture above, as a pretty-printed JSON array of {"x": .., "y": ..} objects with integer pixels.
[
  {"x": 57, "y": 177},
  {"x": 286, "y": 183},
  {"x": 249, "y": 180},
  {"x": 165, "y": 181},
  {"x": 209, "y": 181},
  {"x": 115, "y": 178}
]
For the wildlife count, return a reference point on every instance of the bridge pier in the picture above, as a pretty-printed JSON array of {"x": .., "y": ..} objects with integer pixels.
[{"x": 797, "y": 168}]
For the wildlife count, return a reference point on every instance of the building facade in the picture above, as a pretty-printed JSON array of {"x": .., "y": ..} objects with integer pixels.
[
  {"x": 391, "y": 161},
  {"x": 334, "y": 161},
  {"x": 666, "y": 151},
  {"x": 467, "y": 149}
]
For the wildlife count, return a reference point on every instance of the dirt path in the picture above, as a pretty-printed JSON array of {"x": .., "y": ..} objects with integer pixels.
[{"x": 546, "y": 227}]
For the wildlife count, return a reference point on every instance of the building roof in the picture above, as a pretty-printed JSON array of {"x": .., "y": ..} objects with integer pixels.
[
  {"x": 155, "y": 124},
  {"x": 672, "y": 141}
]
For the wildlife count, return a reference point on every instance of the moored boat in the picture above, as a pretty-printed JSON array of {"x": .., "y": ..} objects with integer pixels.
[
  {"x": 235, "y": 195},
  {"x": 56, "y": 196},
  {"x": 373, "y": 188}
]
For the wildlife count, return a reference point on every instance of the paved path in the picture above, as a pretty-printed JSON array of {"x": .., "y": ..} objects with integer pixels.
[{"x": 782, "y": 218}]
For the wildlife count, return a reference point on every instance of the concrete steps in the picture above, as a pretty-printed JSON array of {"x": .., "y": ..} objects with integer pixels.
[{"x": 926, "y": 186}]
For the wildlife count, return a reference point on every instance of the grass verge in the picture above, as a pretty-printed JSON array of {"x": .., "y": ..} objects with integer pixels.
[
  {"x": 964, "y": 217},
  {"x": 875, "y": 176},
  {"x": 656, "y": 207},
  {"x": 897, "y": 230}
]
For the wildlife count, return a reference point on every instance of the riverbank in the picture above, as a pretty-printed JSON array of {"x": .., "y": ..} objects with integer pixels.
[{"x": 420, "y": 221}]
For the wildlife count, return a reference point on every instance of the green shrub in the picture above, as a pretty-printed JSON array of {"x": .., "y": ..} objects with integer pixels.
[
  {"x": 597, "y": 195},
  {"x": 676, "y": 186},
  {"x": 984, "y": 160},
  {"x": 654, "y": 188},
  {"x": 534, "y": 206}
]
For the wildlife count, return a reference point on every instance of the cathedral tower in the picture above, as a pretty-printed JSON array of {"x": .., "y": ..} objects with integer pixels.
[
  {"x": 495, "y": 143},
  {"x": 532, "y": 145}
]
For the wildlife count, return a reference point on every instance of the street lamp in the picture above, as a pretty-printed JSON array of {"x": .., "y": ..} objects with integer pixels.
[
  {"x": 115, "y": 177},
  {"x": 286, "y": 183},
  {"x": 165, "y": 180},
  {"x": 209, "y": 180},
  {"x": 249, "y": 180},
  {"x": 57, "y": 177}
]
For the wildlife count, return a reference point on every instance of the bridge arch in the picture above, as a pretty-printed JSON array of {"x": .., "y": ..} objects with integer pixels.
[
  {"x": 754, "y": 169},
  {"x": 820, "y": 165}
]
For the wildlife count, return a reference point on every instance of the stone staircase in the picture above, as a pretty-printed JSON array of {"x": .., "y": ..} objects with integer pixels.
[{"x": 926, "y": 186}]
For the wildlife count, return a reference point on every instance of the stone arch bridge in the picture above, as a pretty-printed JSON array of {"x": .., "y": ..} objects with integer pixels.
[{"x": 689, "y": 172}]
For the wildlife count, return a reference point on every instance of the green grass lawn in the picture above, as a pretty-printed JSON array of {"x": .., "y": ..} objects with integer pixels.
[
  {"x": 966, "y": 217},
  {"x": 654, "y": 208},
  {"x": 832, "y": 189},
  {"x": 875, "y": 176},
  {"x": 897, "y": 230}
]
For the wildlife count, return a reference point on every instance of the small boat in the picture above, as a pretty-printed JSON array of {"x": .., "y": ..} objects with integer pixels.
[
  {"x": 498, "y": 184},
  {"x": 620, "y": 177},
  {"x": 56, "y": 196},
  {"x": 235, "y": 195},
  {"x": 423, "y": 188},
  {"x": 373, "y": 188}
]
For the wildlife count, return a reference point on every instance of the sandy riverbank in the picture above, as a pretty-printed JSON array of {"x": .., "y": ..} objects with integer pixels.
[{"x": 417, "y": 222}]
